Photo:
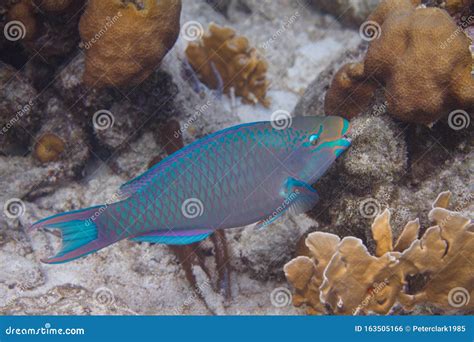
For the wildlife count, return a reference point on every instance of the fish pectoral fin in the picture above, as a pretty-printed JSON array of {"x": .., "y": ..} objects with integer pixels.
[
  {"x": 173, "y": 237},
  {"x": 299, "y": 195}
]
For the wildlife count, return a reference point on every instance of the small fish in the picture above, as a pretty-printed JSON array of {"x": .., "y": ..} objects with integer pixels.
[{"x": 240, "y": 175}]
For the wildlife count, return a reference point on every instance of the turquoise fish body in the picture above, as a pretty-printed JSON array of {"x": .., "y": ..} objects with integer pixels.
[{"x": 241, "y": 175}]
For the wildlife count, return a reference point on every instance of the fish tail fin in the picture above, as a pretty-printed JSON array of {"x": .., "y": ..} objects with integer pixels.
[{"x": 79, "y": 232}]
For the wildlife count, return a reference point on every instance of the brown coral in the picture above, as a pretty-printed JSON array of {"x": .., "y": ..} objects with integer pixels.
[
  {"x": 23, "y": 12},
  {"x": 223, "y": 55},
  {"x": 48, "y": 148},
  {"x": 421, "y": 58},
  {"x": 351, "y": 86},
  {"x": 343, "y": 277},
  {"x": 125, "y": 43}
]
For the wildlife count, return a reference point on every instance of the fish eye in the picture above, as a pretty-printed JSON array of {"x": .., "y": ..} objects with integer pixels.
[{"x": 313, "y": 139}]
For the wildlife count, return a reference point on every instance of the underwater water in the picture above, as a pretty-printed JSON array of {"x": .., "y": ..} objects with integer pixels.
[{"x": 236, "y": 157}]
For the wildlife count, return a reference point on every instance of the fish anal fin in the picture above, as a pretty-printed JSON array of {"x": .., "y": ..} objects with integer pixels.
[{"x": 176, "y": 237}]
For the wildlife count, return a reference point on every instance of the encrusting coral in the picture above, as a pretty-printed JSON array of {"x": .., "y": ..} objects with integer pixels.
[
  {"x": 48, "y": 148},
  {"x": 125, "y": 42},
  {"x": 408, "y": 56},
  {"x": 222, "y": 59},
  {"x": 342, "y": 277}
]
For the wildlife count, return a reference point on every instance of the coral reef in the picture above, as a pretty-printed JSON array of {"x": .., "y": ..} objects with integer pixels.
[
  {"x": 225, "y": 60},
  {"x": 125, "y": 43},
  {"x": 439, "y": 65},
  {"x": 390, "y": 165},
  {"x": 342, "y": 277}
]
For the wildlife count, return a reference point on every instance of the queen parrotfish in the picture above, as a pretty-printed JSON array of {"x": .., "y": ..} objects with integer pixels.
[{"x": 244, "y": 174}]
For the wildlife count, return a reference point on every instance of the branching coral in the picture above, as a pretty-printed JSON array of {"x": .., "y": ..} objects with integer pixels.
[
  {"x": 125, "y": 43},
  {"x": 342, "y": 277},
  {"x": 415, "y": 50},
  {"x": 223, "y": 56}
]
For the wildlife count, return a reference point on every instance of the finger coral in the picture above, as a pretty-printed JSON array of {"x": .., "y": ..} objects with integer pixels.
[
  {"x": 342, "y": 277},
  {"x": 224, "y": 59},
  {"x": 408, "y": 55},
  {"x": 125, "y": 41}
]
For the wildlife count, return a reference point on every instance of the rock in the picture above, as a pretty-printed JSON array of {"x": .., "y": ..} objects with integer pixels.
[
  {"x": 350, "y": 12},
  {"x": 19, "y": 112},
  {"x": 262, "y": 252}
]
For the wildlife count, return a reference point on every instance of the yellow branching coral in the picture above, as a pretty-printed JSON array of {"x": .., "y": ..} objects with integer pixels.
[
  {"x": 342, "y": 277},
  {"x": 409, "y": 56},
  {"x": 124, "y": 42},
  {"x": 223, "y": 55}
]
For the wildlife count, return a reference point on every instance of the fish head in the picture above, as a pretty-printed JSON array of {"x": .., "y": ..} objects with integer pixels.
[{"x": 324, "y": 139}]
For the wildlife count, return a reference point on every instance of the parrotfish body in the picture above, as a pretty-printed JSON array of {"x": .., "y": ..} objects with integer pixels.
[{"x": 232, "y": 178}]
